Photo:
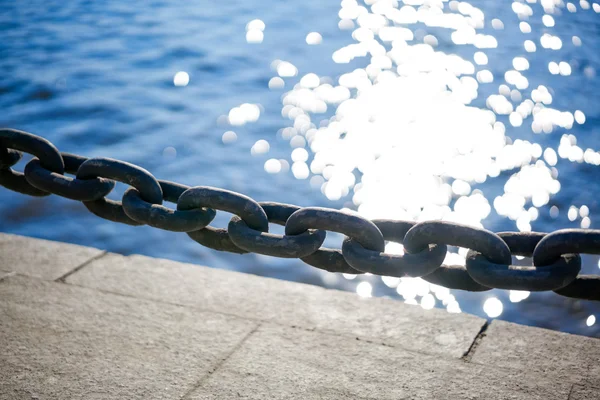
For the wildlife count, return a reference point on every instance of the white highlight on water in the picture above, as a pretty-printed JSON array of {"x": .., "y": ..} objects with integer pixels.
[
  {"x": 404, "y": 138},
  {"x": 255, "y": 31},
  {"x": 181, "y": 78},
  {"x": 314, "y": 38}
]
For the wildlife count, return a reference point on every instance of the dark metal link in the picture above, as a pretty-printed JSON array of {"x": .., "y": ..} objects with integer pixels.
[
  {"x": 15, "y": 181},
  {"x": 278, "y": 213},
  {"x": 566, "y": 241},
  {"x": 452, "y": 234},
  {"x": 284, "y": 246},
  {"x": 72, "y": 162},
  {"x": 123, "y": 172},
  {"x": 363, "y": 230},
  {"x": 531, "y": 278},
  {"x": 330, "y": 260},
  {"x": 9, "y": 157},
  {"x": 354, "y": 226},
  {"x": 49, "y": 156},
  {"x": 392, "y": 230},
  {"x": 556, "y": 257},
  {"x": 220, "y": 199},
  {"x": 586, "y": 287},
  {"x": 35, "y": 145},
  {"x": 563, "y": 241},
  {"x": 522, "y": 243},
  {"x": 162, "y": 217},
  {"x": 450, "y": 276},
  {"x": 216, "y": 239},
  {"x": 74, "y": 189},
  {"x": 412, "y": 265},
  {"x": 455, "y": 277}
]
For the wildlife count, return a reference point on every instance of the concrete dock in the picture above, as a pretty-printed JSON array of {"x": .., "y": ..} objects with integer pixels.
[{"x": 80, "y": 323}]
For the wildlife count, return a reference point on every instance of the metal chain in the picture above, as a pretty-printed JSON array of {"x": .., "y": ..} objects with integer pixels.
[{"x": 555, "y": 256}]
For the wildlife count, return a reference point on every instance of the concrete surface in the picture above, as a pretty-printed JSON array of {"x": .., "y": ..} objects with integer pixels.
[
  {"x": 548, "y": 355},
  {"x": 313, "y": 365},
  {"x": 77, "y": 323},
  {"x": 288, "y": 303},
  {"x": 42, "y": 258},
  {"x": 61, "y": 341}
]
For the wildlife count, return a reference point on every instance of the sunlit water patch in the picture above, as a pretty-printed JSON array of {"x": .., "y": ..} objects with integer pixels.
[{"x": 431, "y": 124}]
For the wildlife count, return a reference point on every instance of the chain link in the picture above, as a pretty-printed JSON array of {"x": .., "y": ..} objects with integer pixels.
[
  {"x": 161, "y": 217},
  {"x": 379, "y": 263},
  {"x": 286, "y": 246},
  {"x": 224, "y": 200},
  {"x": 9, "y": 157},
  {"x": 532, "y": 278},
  {"x": 123, "y": 172},
  {"x": 555, "y": 256},
  {"x": 333, "y": 260},
  {"x": 12, "y": 142},
  {"x": 71, "y": 188}
]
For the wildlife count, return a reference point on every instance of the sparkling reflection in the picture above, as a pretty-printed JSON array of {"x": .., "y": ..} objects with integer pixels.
[
  {"x": 314, "y": 38},
  {"x": 229, "y": 137},
  {"x": 181, "y": 78},
  {"x": 414, "y": 132},
  {"x": 493, "y": 307},
  {"x": 276, "y": 83},
  {"x": 272, "y": 166},
  {"x": 260, "y": 147},
  {"x": 428, "y": 301},
  {"x": 364, "y": 289},
  {"x": 518, "y": 295},
  {"x": 244, "y": 114},
  {"x": 169, "y": 152},
  {"x": 255, "y": 31}
]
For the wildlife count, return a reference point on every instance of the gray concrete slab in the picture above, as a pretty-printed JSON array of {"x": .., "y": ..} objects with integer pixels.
[
  {"x": 278, "y": 362},
  {"x": 42, "y": 258},
  {"x": 554, "y": 354},
  {"x": 5, "y": 273},
  {"x": 382, "y": 320},
  {"x": 60, "y": 341},
  {"x": 580, "y": 392},
  {"x": 137, "y": 327}
]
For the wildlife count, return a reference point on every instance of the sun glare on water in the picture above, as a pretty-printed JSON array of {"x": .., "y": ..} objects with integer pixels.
[{"x": 401, "y": 138}]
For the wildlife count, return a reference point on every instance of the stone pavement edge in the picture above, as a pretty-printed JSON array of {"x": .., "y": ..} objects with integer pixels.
[{"x": 80, "y": 323}]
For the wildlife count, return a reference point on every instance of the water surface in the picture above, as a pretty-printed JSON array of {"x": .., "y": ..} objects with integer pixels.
[{"x": 452, "y": 117}]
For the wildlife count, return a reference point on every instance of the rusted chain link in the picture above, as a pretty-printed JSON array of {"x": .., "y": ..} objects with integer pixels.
[{"x": 555, "y": 256}]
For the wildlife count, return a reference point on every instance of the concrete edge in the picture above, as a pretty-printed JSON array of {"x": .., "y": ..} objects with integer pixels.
[{"x": 378, "y": 320}]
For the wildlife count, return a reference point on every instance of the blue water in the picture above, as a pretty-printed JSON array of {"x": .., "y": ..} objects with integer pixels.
[{"x": 96, "y": 78}]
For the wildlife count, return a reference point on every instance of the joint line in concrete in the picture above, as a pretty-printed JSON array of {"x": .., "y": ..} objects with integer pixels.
[
  {"x": 478, "y": 338},
  {"x": 63, "y": 278},
  {"x": 571, "y": 392},
  {"x": 220, "y": 363},
  {"x": 5, "y": 276}
]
